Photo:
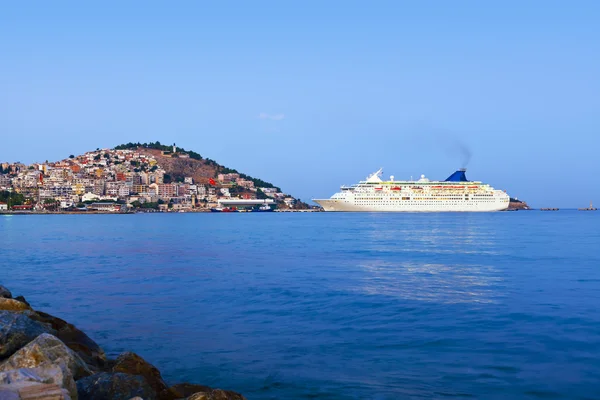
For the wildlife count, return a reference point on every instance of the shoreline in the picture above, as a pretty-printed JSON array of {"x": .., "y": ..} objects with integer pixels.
[
  {"x": 134, "y": 212},
  {"x": 11, "y": 213},
  {"x": 43, "y": 357}
]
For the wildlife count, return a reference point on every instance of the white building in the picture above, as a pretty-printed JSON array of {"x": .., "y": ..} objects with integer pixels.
[
  {"x": 289, "y": 201},
  {"x": 123, "y": 191},
  {"x": 90, "y": 197}
]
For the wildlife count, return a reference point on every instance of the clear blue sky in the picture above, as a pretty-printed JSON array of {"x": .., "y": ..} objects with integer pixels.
[{"x": 311, "y": 95}]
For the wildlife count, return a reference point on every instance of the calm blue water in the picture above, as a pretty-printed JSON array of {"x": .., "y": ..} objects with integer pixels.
[{"x": 329, "y": 306}]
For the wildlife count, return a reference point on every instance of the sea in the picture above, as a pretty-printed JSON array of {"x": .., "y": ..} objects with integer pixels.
[{"x": 329, "y": 305}]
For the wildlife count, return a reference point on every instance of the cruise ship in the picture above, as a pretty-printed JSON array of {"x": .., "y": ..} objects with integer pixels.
[{"x": 423, "y": 195}]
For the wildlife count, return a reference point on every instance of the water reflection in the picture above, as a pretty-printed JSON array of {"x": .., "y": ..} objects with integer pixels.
[
  {"x": 429, "y": 257},
  {"x": 440, "y": 283},
  {"x": 432, "y": 232}
]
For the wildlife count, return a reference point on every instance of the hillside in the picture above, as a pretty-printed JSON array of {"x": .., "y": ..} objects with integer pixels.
[
  {"x": 184, "y": 163},
  {"x": 179, "y": 163},
  {"x": 135, "y": 176}
]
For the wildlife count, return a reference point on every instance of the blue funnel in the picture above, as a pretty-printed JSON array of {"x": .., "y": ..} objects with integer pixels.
[{"x": 458, "y": 176}]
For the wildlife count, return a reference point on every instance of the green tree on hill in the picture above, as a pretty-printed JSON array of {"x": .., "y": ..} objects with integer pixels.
[
  {"x": 12, "y": 198},
  {"x": 261, "y": 195}
]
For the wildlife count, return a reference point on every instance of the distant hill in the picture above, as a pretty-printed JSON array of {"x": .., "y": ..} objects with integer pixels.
[
  {"x": 179, "y": 166},
  {"x": 186, "y": 163}
]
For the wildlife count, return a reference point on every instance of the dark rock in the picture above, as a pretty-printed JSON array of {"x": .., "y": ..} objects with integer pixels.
[
  {"x": 198, "y": 392},
  {"x": 22, "y": 300},
  {"x": 5, "y": 293},
  {"x": 183, "y": 390},
  {"x": 75, "y": 339},
  {"x": 16, "y": 330},
  {"x": 114, "y": 386},
  {"x": 216, "y": 394},
  {"x": 47, "y": 349},
  {"x": 131, "y": 363},
  {"x": 516, "y": 204},
  {"x": 12, "y": 305},
  {"x": 46, "y": 373}
]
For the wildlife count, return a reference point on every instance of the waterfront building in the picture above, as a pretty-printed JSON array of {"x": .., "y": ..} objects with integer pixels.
[
  {"x": 90, "y": 197},
  {"x": 111, "y": 207}
]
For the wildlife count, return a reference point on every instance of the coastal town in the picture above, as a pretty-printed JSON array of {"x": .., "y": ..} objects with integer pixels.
[{"x": 134, "y": 178}]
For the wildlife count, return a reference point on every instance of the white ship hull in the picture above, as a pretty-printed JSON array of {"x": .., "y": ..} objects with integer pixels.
[
  {"x": 343, "y": 206},
  {"x": 455, "y": 194}
]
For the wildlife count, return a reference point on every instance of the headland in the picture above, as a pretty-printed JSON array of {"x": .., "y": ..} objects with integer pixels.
[{"x": 135, "y": 177}]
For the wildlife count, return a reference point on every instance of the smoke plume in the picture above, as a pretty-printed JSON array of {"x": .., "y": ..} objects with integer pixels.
[
  {"x": 444, "y": 141},
  {"x": 462, "y": 149}
]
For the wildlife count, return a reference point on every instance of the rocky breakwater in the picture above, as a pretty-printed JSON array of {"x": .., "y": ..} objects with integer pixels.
[
  {"x": 43, "y": 357},
  {"x": 516, "y": 204}
]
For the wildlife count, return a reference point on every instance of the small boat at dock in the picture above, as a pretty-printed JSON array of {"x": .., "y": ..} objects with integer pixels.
[{"x": 223, "y": 209}]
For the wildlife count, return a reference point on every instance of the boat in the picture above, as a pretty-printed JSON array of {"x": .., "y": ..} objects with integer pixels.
[
  {"x": 223, "y": 209},
  {"x": 590, "y": 208},
  {"x": 263, "y": 208},
  {"x": 456, "y": 193}
]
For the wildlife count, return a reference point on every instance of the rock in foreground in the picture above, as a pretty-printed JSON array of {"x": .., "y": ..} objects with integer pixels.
[
  {"x": 198, "y": 392},
  {"x": 13, "y": 305},
  {"x": 75, "y": 339},
  {"x": 5, "y": 293},
  {"x": 16, "y": 330},
  {"x": 47, "y": 349},
  {"x": 131, "y": 363},
  {"x": 114, "y": 386},
  {"x": 216, "y": 394},
  {"x": 44, "y": 382},
  {"x": 45, "y": 358}
]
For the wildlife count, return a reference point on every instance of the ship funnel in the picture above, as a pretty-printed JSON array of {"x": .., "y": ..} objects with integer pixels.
[{"x": 458, "y": 176}]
